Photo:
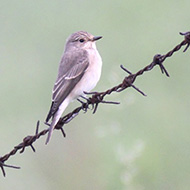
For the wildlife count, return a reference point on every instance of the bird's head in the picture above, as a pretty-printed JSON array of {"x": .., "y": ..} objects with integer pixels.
[{"x": 83, "y": 40}]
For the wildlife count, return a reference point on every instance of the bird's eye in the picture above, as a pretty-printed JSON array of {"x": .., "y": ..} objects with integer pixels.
[{"x": 81, "y": 40}]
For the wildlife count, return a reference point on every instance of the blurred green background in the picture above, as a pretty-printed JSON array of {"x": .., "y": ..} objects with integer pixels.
[{"x": 141, "y": 144}]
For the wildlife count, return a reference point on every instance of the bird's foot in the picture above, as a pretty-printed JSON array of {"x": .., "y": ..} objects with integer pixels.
[{"x": 85, "y": 104}]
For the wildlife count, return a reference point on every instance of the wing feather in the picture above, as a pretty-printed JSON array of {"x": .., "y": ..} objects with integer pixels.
[{"x": 72, "y": 68}]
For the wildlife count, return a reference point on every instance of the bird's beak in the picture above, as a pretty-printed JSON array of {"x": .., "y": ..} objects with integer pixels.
[{"x": 95, "y": 38}]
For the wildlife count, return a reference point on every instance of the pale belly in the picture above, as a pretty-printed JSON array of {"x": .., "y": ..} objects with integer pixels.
[{"x": 91, "y": 76}]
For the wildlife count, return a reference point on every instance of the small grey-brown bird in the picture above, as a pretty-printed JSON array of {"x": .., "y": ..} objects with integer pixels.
[{"x": 79, "y": 71}]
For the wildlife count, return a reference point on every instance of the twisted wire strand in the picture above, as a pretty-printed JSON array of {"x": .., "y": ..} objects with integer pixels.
[{"x": 94, "y": 100}]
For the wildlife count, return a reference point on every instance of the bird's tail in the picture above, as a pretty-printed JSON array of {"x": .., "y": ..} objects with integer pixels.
[{"x": 56, "y": 118}]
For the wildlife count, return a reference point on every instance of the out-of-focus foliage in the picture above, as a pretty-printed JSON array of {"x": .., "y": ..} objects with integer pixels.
[{"x": 141, "y": 144}]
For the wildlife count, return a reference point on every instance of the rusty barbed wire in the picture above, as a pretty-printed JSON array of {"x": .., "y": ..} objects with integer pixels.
[{"x": 95, "y": 99}]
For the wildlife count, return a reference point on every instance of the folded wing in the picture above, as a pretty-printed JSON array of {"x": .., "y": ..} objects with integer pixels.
[{"x": 72, "y": 68}]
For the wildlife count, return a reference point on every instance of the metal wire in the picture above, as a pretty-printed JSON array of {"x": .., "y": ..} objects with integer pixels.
[{"x": 95, "y": 99}]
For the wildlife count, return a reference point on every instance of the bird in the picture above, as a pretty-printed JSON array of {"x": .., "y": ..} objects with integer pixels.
[{"x": 79, "y": 71}]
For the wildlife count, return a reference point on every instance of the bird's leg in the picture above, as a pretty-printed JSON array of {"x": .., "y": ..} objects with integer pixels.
[
  {"x": 90, "y": 93},
  {"x": 80, "y": 101},
  {"x": 85, "y": 105}
]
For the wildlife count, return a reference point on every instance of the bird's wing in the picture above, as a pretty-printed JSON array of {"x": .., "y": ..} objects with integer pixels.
[{"x": 71, "y": 69}]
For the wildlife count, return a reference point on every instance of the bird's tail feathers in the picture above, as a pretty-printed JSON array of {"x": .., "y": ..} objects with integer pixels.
[
  {"x": 49, "y": 114},
  {"x": 56, "y": 118}
]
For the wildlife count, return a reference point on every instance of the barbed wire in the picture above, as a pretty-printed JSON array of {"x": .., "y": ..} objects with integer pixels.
[{"x": 95, "y": 99}]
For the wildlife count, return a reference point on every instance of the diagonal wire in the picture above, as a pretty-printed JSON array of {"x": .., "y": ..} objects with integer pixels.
[{"x": 95, "y": 99}]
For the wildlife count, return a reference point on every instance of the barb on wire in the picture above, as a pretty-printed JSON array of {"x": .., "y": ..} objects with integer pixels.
[
  {"x": 2, "y": 165},
  {"x": 95, "y": 99}
]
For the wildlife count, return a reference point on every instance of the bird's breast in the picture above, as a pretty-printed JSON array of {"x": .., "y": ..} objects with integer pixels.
[
  {"x": 91, "y": 75},
  {"x": 95, "y": 65}
]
